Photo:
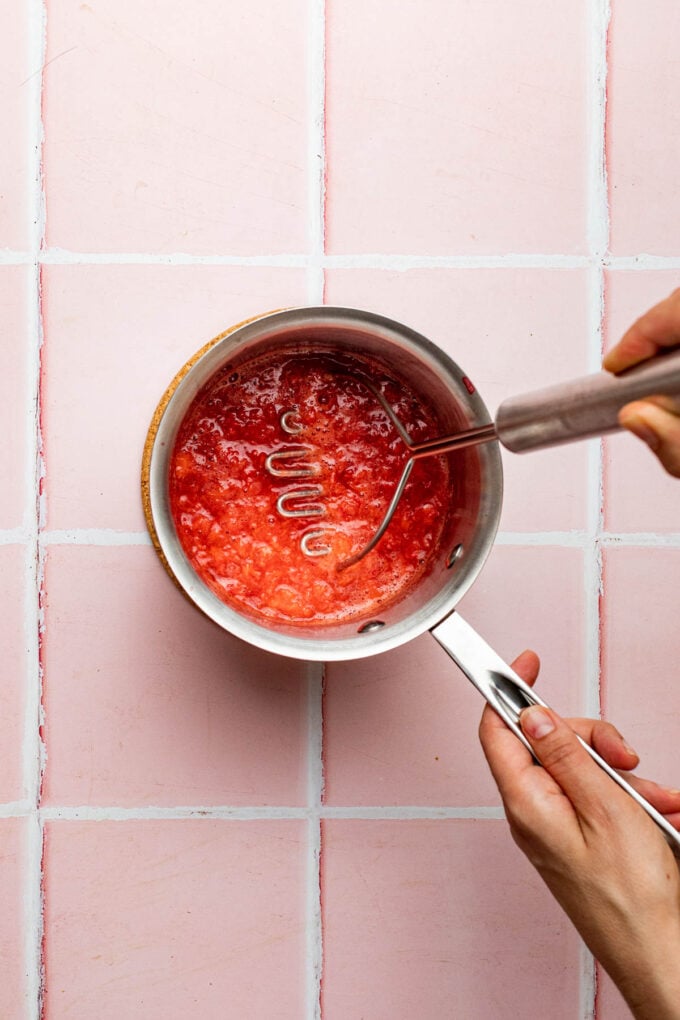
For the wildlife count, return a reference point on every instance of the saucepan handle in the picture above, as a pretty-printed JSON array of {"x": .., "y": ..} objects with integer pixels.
[
  {"x": 585, "y": 407},
  {"x": 508, "y": 694}
]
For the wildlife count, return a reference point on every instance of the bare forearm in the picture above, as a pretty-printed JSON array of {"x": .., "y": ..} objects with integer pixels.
[{"x": 655, "y": 995}]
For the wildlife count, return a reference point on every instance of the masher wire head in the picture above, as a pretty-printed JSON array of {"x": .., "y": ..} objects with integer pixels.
[
  {"x": 428, "y": 448},
  {"x": 296, "y": 463}
]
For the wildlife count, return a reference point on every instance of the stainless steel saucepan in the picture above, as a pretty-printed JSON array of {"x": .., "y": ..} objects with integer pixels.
[{"x": 564, "y": 413}]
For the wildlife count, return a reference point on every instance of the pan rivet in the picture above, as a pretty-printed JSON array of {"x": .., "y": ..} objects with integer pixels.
[
  {"x": 455, "y": 554},
  {"x": 368, "y": 628}
]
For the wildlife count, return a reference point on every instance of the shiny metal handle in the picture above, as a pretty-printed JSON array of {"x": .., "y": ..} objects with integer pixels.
[
  {"x": 508, "y": 694},
  {"x": 583, "y": 407}
]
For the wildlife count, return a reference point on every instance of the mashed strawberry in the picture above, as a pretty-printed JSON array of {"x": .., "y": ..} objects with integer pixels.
[{"x": 283, "y": 467}]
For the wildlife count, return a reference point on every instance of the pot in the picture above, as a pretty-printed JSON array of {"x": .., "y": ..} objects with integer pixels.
[{"x": 576, "y": 410}]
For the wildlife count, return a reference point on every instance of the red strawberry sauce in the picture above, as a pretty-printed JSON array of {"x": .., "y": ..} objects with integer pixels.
[{"x": 313, "y": 414}]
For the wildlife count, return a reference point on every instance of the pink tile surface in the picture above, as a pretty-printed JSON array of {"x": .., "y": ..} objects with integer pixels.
[
  {"x": 465, "y": 130},
  {"x": 195, "y": 865},
  {"x": 640, "y": 660},
  {"x": 198, "y": 918},
  {"x": 13, "y": 987},
  {"x": 198, "y": 147},
  {"x": 640, "y": 497},
  {"x": 114, "y": 338},
  {"x": 643, "y": 127},
  {"x": 511, "y": 331},
  {"x": 148, "y": 702},
  {"x": 14, "y": 396},
  {"x": 440, "y": 918},
  {"x": 14, "y": 672},
  {"x": 401, "y": 728},
  {"x": 15, "y": 103}
]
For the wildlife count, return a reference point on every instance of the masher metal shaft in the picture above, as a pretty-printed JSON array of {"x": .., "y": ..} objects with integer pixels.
[{"x": 578, "y": 409}]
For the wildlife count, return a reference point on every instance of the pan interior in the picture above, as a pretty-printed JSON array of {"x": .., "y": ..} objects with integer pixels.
[{"x": 471, "y": 520}]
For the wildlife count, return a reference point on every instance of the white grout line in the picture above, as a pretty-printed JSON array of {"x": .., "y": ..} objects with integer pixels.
[
  {"x": 311, "y": 813},
  {"x": 598, "y": 236},
  {"x": 316, "y": 243},
  {"x": 374, "y": 260},
  {"x": 316, "y": 150},
  {"x": 62, "y": 257},
  {"x": 314, "y": 261},
  {"x": 315, "y": 785},
  {"x": 33, "y": 756},
  {"x": 8, "y": 257},
  {"x": 95, "y": 536},
  {"x": 88, "y": 813},
  {"x": 642, "y": 261},
  {"x": 22, "y": 535},
  {"x": 32, "y": 749},
  {"x": 414, "y": 813},
  {"x": 598, "y": 246},
  {"x": 17, "y": 809},
  {"x": 637, "y": 539}
]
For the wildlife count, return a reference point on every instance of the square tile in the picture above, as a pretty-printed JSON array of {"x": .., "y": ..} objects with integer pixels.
[
  {"x": 511, "y": 331},
  {"x": 456, "y": 128},
  {"x": 149, "y": 702},
  {"x": 401, "y": 728},
  {"x": 643, "y": 124},
  {"x": 639, "y": 495},
  {"x": 13, "y": 673},
  {"x": 198, "y": 918},
  {"x": 115, "y": 337},
  {"x": 641, "y": 675},
  {"x": 15, "y": 400},
  {"x": 16, "y": 102},
  {"x": 200, "y": 146},
  {"x": 14, "y": 984},
  {"x": 433, "y": 919}
]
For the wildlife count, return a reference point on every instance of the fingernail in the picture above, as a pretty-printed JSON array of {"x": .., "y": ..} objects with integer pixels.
[
  {"x": 630, "y": 750},
  {"x": 536, "y": 722}
]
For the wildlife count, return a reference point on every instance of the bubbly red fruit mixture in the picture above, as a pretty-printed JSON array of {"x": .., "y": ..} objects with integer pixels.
[{"x": 284, "y": 467}]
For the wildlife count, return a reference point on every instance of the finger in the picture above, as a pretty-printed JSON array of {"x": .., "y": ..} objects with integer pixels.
[
  {"x": 666, "y": 402},
  {"x": 658, "y": 428},
  {"x": 536, "y": 807},
  {"x": 561, "y": 754},
  {"x": 506, "y": 755},
  {"x": 656, "y": 329},
  {"x": 527, "y": 666},
  {"x": 665, "y": 800},
  {"x": 607, "y": 741}
]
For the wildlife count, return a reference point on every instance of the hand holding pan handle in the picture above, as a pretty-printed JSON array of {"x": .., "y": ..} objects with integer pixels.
[
  {"x": 508, "y": 694},
  {"x": 584, "y": 407}
]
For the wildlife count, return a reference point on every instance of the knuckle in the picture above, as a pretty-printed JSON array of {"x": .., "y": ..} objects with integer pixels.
[
  {"x": 530, "y": 840},
  {"x": 520, "y": 828},
  {"x": 535, "y": 853},
  {"x": 559, "y": 753}
]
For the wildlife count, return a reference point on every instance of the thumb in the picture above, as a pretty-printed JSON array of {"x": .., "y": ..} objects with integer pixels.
[
  {"x": 657, "y": 427},
  {"x": 561, "y": 754}
]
